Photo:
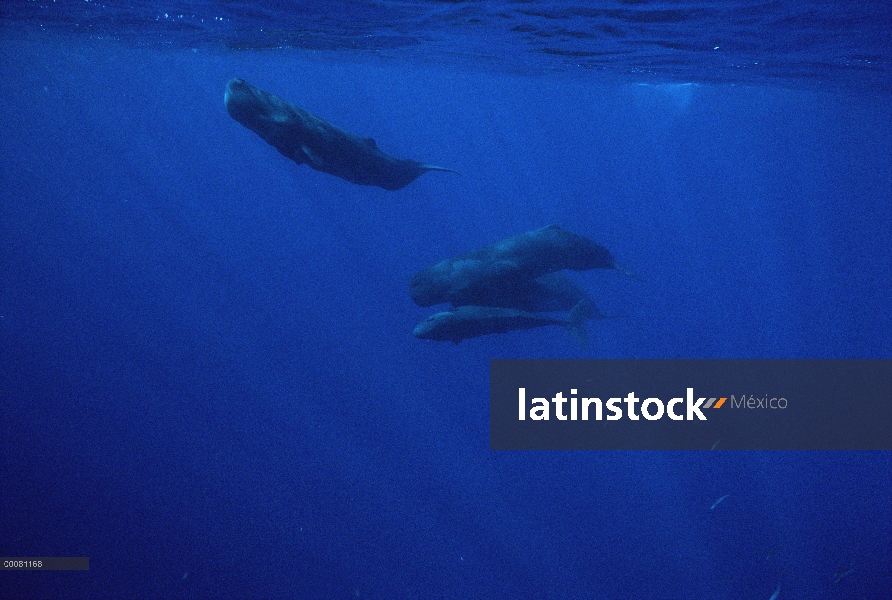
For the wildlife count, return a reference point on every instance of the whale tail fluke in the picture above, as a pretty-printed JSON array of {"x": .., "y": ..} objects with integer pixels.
[{"x": 575, "y": 323}]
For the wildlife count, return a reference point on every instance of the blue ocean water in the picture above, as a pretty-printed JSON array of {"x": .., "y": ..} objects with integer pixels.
[{"x": 208, "y": 379}]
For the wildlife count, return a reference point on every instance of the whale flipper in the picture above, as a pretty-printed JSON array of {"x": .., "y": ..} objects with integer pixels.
[
  {"x": 312, "y": 159},
  {"x": 436, "y": 168}
]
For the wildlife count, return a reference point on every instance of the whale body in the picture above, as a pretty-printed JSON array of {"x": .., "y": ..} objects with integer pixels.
[
  {"x": 466, "y": 322},
  {"x": 510, "y": 264},
  {"x": 307, "y": 139},
  {"x": 552, "y": 292}
]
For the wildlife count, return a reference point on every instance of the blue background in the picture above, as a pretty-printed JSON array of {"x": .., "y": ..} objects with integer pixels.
[{"x": 207, "y": 373}]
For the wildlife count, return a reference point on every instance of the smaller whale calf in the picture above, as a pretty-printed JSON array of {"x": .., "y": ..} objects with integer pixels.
[
  {"x": 466, "y": 322},
  {"x": 307, "y": 139}
]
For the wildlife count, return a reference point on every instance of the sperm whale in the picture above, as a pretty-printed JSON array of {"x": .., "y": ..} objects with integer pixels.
[
  {"x": 307, "y": 139},
  {"x": 465, "y": 322},
  {"x": 510, "y": 264}
]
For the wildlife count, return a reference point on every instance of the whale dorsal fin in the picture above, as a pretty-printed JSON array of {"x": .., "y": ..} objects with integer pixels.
[{"x": 371, "y": 142}]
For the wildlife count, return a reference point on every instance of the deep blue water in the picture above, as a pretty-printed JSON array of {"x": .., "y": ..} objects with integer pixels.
[{"x": 208, "y": 381}]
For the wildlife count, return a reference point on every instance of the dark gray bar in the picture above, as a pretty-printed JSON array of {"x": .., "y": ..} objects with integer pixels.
[
  {"x": 43, "y": 563},
  {"x": 768, "y": 404}
]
